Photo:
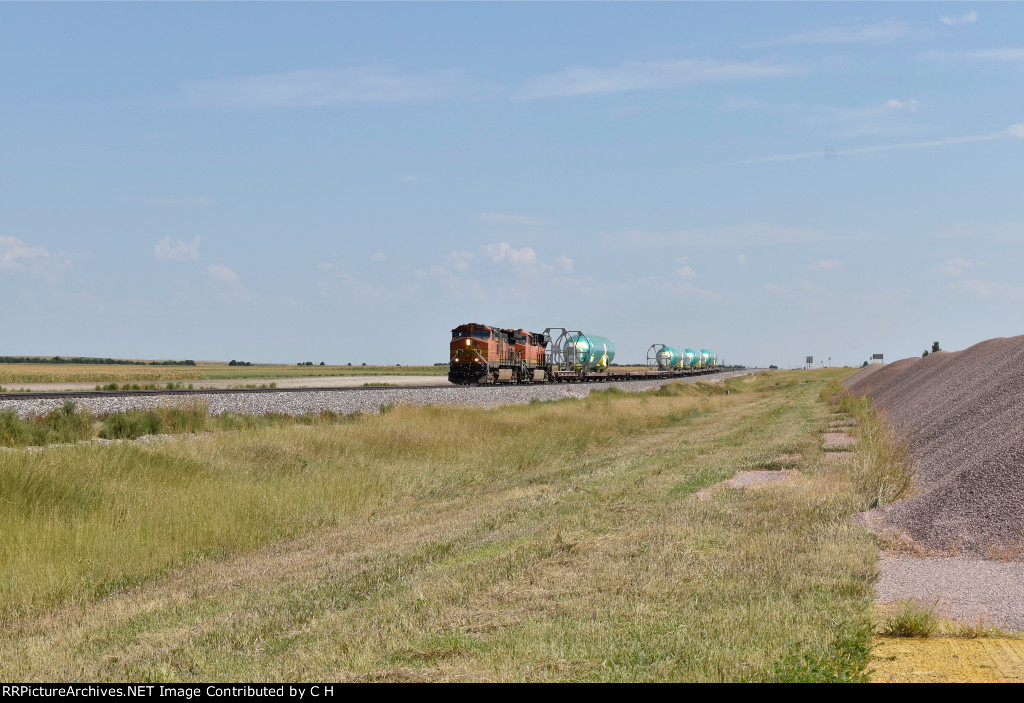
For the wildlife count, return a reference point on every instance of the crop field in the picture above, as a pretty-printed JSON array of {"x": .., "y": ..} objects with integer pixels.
[
  {"x": 117, "y": 373},
  {"x": 551, "y": 541}
]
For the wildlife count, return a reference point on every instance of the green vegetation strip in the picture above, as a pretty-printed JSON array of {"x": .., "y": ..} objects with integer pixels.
[
  {"x": 553, "y": 541},
  {"x": 68, "y": 424}
]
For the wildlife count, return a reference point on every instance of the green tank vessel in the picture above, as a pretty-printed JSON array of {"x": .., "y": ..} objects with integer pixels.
[
  {"x": 705, "y": 358},
  {"x": 589, "y": 351},
  {"x": 670, "y": 358},
  {"x": 690, "y": 359}
]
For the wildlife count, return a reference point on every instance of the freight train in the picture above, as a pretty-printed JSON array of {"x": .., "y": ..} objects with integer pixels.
[{"x": 484, "y": 354}]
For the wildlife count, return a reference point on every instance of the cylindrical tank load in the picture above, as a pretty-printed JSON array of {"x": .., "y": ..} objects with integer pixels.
[
  {"x": 669, "y": 358},
  {"x": 705, "y": 358},
  {"x": 588, "y": 351},
  {"x": 690, "y": 359}
]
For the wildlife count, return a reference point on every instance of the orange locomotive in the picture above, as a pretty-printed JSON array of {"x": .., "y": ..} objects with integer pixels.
[{"x": 485, "y": 354}]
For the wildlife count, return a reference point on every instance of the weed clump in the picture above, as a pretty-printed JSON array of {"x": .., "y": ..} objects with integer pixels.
[
  {"x": 64, "y": 425},
  {"x": 911, "y": 619},
  {"x": 132, "y": 424}
]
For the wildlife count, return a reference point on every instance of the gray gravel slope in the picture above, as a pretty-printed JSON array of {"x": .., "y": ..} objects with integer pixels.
[{"x": 963, "y": 413}]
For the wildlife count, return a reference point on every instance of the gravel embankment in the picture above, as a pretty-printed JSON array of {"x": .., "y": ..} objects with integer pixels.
[
  {"x": 351, "y": 401},
  {"x": 963, "y": 413},
  {"x": 962, "y": 589}
]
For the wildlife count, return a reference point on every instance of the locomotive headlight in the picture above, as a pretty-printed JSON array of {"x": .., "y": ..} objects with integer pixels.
[{"x": 467, "y": 342}]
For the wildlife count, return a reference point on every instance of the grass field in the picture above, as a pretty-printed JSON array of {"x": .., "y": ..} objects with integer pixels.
[
  {"x": 552, "y": 541},
  {"x": 116, "y": 373}
]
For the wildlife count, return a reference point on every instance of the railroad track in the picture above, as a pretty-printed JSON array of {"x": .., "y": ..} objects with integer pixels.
[{"x": 70, "y": 395}]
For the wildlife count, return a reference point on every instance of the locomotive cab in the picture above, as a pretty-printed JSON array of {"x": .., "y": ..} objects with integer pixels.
[
  {"x": 485, "y": 354},
  {"x": 472, "y": 348}
]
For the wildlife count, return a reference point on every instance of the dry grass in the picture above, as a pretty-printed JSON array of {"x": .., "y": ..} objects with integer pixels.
[
  {"x": 881, "y": 465},
  {"x": 556, "y": 541},
  {"x": 116, "y": 373}
]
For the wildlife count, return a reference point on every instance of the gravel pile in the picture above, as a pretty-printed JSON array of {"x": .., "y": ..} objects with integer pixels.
[
  {"x": 860, "y": 374},
  {"x": 963, "y": 413},
  {"x": 350, "y": 401}
]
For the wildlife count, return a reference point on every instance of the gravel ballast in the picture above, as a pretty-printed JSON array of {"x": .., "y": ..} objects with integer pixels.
[
  {"x": 351, "y": 401},
  {"x": 963, "y": 415}
]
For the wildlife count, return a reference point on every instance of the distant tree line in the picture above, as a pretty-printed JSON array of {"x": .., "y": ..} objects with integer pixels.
[
  {"x": 239, "y": 363},
  {"x": 89, "y": 360}
]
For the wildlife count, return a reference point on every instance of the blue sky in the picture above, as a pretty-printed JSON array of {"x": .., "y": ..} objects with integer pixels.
[{"x": 347, "y": 182}]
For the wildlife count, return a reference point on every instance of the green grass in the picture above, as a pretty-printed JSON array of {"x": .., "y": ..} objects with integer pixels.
[
  {"x": 552, "y": 541},
  {"x": 69, "y": 424}
]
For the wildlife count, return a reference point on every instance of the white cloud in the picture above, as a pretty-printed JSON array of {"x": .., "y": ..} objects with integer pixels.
[
  {"x": 170, "y": 201},
  {"x": 804, "y": 293},
  {"x": 322, "y": 87},
  {"x": 988, "y": 290},
  {"x": 456, "y": 286},
  {"x": 686, "y": 288},
  {"x": 741, "y": 259},
  {"x": 809, "y": 288},
  {"x": 222, "y": 274},
  {"x": 379, "y": 256},
  {"x": 16, "y": 255},
  {"x": 679, "y": 284},
  {"x": 459, "y": 260},
  {"x": 753, "y": 234},
  {"x": 1009, "y": 55},
  {"x": 511, "y": 219},
  {"x": 889, "y": 117},
  {"x": 348, "y": 288},
  {"x": 523, "y": 260},
  {"x": 953, "y": 20},
  {"x": 325, "y": 266},
  {"x": 1012, "y": 132},
  {"x": 997, "y": 232},
  {"x": 826, "y": 265},
  {"x": 14, "y": 252},
  {"x": 648, "y": 75},
  {"x": 881, "y": 33},
  {"x": 179, "y": 251},
  {"x": 574, "y": 288},
  {"x": 895, "y": 104},
  {"x": 952, "y": 267}
]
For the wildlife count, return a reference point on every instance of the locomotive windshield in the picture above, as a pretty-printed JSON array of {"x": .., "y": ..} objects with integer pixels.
[{"x": 477, "y": 334}]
